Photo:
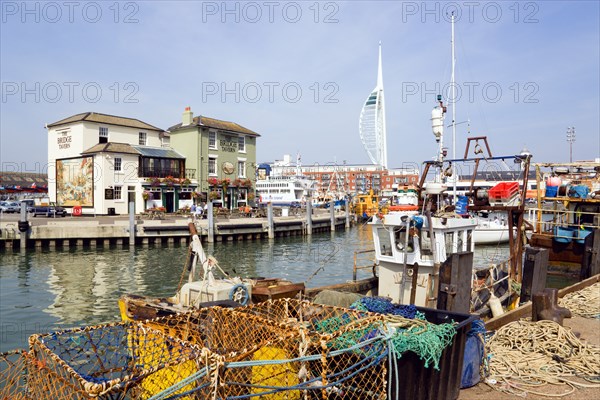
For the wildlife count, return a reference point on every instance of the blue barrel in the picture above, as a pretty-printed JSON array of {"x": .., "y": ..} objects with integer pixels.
[
  {"x": 551, "y": 191},
  {"x": 461, "y": 205}
]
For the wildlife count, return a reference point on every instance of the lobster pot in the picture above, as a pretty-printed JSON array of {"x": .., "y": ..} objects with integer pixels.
[
  {"x": 343, "y": 351},
  {"x": 280, "y": 357},
  {"x": 123, "y": 360},
  {"x": 13, "y": 369}
]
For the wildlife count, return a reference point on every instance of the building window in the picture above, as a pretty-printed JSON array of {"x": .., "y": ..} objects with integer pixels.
[
  {"x": 142, "y": 138},
  {"x": 118, "y": 191},
  {"x": 102, "y": 135},
  {"x": 242, "y": 144},
  {"x": 118, "y": 164},
  {"x": 212, "y": 140},
  {"x": 212, "y": 166},
  {"x": 242, "y": 169},
  {"x": 166, "y": 141},
  {"x": 156, "y": 194}
]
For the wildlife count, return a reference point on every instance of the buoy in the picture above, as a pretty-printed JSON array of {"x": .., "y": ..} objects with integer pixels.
[{"x": 495, "y": 306}]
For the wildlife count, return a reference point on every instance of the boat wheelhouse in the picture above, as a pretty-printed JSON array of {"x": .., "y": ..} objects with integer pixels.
[{"x": 410, "y": 247}]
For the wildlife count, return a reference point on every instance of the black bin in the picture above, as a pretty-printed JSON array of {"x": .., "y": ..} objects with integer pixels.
[
  {"x": 416, "y": 382},
  {"x": 111, "y": 211}
]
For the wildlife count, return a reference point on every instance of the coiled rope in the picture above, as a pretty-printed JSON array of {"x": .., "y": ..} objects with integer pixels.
[
  {"x": 524, "y": 356},
  {"x": 585, "y": 302}
]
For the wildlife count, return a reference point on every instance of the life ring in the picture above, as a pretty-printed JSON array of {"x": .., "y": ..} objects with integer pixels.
[
  {"x": 407, "y": 207},
  {"x": 239, "y": 294}
]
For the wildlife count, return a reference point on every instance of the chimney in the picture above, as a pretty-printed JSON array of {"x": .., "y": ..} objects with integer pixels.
[{"x": 188, "y": 116}]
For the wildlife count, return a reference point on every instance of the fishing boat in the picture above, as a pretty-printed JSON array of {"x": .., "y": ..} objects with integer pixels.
[
  {"x": 365, "y": 205},
  {"x": 491, "y": 229}
]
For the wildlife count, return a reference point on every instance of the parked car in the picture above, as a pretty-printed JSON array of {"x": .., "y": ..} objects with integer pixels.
[
  {"x": 4, "y": 207},
  {"x": 14, "y": 207},
  {"x": 9, "y": 207},
  {"x": 48, "y": 211}
]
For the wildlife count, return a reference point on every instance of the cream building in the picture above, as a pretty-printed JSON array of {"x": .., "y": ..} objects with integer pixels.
[{"x": 102, "y": 162}]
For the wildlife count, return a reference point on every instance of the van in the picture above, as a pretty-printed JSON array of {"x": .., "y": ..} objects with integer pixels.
[{"x": 30, "y": 203}]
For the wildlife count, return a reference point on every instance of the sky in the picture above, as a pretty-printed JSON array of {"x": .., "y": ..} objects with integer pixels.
[{"x": 298, "y": 73}]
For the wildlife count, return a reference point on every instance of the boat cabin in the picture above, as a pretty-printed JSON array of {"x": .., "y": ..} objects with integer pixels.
[{"x": 405, "y": 244}]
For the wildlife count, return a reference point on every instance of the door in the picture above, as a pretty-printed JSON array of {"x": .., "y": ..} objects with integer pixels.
[
  {"x": 169, "y": 201},
  {"x": 131, "y": 197}
]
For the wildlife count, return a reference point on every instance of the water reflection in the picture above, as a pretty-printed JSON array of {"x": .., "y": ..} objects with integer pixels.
[{"x": 50, "y": 290}]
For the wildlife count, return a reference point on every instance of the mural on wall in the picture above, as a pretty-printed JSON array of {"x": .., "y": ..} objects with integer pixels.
[{"x": 75, "y": 182}]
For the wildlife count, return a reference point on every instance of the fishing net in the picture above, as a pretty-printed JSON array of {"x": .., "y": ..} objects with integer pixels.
[
  {"x": 114, "y": 361},
  {"x": 13, "y": 371},
  {"x": 283, "y": 357},
  {"x": 276, "y": 350}
]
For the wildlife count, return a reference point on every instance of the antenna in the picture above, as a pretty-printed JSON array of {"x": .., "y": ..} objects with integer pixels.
[{"x": 452, "y": 85}]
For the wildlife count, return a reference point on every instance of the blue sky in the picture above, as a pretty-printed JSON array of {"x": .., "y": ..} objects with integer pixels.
[{"x": 299, "y": 72}]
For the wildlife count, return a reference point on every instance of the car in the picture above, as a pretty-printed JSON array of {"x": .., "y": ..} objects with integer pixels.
[
  {"x": 4, "y": 207},
  {"x": 9, "y": 207},
  {"x": 14, "y": 207},
  {"x": 48, "y": 211}
]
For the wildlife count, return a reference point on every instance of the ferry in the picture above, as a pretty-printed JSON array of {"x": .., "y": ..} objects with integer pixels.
[{"x": 284, "y": 190}]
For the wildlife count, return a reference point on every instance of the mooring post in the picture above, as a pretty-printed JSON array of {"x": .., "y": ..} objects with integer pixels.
[
  {"x": 309, "y": 216},
  {"x": 23, "y": 226},
  {"x": 210, "y": 219},
  {"x": 270, "y": 220},
  {"x": 332, "y": 213},
  {"x": 347, "y": 206},
  {"x": 131, "y": 224}
]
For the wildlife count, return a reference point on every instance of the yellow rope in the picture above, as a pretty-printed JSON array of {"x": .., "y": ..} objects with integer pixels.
[
  {"x": 526, "y": 355},
  {"x": 585, "y": 302}
]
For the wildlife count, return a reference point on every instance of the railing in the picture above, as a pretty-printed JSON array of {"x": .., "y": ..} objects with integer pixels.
[
  {"x": 160, "y": 172},
  {"x": 561, "y": 217},
  {"x": 360, "y": 258}
]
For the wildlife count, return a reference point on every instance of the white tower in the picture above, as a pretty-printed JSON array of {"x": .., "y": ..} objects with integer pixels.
[{"x": 371, "y": 125}]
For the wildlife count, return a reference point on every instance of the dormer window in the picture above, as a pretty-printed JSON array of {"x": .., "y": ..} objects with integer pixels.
[{"x": 103, "y": 135}]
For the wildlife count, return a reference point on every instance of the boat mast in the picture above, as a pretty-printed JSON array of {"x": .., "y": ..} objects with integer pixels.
[{"x": 452, "y": 86}]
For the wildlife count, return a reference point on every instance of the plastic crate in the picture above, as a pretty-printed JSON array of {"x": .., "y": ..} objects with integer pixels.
[
  {"x": 414, "y": 381},
  {"x": 503, "y": 191}
]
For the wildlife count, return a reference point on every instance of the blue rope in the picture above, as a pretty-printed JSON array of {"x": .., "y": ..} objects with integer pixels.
[{"x": 383, "y": 305}]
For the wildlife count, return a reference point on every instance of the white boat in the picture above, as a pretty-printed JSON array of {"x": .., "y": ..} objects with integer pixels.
[
  {"x": 491, "y": 229},
  {"x": 284, "y": 190}
]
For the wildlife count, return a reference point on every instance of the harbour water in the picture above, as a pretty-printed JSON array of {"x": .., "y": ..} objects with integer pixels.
[{"x": 52, "y": 290}]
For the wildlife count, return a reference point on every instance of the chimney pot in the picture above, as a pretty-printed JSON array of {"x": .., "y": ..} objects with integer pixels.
[{"x": 188, "y": 116}]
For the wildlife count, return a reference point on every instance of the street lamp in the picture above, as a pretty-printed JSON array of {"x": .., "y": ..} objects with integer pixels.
[{"x": 571, "y": 139}]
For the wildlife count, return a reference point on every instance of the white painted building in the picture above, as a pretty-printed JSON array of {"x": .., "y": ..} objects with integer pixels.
[{"x": 101, "y": 162}]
